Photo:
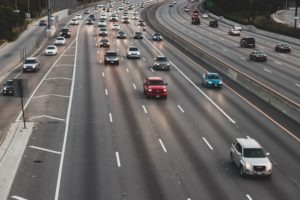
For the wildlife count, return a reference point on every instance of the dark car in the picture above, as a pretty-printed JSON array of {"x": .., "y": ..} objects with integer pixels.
[
  {"x": 247, "y": 42},
  {"x": 104, "y": 43},
  {"x": 157, "y": 37},
  {"x": 141, "y": 23},
  {"x": 111, "y": 57},
  {"x": 258, "y": 56},
  {"x": 212, "y": 80},
  {"x": 92, "y": 17},
  {"x": 8, "y": 88},
  {"x": 65, "y": 32},
  {"x": 121, "y": 35},
  {"x": 214, "y": 23},
  {"x": 161, "y": 63},
  {"x": 283, "y": 48},
  {"x": 42, "y": 22},
  {"x": 138, "y": 35}
]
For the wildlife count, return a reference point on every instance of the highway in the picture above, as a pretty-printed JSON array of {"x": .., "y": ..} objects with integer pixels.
[
  {"x": 97, "y": 136},
  {"x": 281, "y": 71}
]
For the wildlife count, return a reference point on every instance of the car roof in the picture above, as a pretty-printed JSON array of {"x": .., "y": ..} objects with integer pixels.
[
  {"x": 212, "y": 73},
  {"x": 248, "y": 143},
  {"x": 154, "y": 78},
  {"x": 30, "y": 58}
]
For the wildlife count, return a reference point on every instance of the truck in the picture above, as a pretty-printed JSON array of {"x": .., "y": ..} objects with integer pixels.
[
  {"x": 195, "y": 17},
  {"x": 195, "y": 20}
]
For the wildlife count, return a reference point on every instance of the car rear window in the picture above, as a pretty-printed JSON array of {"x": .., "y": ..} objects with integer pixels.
[{"x": 156, "y": 82}]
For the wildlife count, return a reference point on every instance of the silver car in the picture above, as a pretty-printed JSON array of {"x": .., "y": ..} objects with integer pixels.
[{"x": 250, "y": 157}]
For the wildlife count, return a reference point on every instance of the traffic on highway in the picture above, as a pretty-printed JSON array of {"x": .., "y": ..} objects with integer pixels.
[{"x": 131, "y": 100}]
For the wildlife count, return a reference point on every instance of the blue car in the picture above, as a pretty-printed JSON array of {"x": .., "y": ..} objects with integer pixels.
[{"x": 211, "y": 80}]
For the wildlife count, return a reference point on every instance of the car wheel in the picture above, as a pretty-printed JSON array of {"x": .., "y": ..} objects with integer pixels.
[
  {"x": 231, "y": 159},
  {"x": 242, "y": 173}
]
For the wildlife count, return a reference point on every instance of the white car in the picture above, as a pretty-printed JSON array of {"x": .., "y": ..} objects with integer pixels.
[
  {"x": 103, "y": 17},
  {"x": 186, "y": 9},
  {"x": 78, "y": 16},
  {"x": 204, "y": 15},
  {"x": 116, "y": 27},
  {"x": 234, "y": 32},
  {"x": 102, "y": 23},
  {"x": 60, "y": 41},
  {"x": 51, "y": 50},
  {"x": 237, "y": 27},
  {"x": 74, "y": 21},
  {"x": 133, "y": 52},
  {"x": 31, "y": 64}
]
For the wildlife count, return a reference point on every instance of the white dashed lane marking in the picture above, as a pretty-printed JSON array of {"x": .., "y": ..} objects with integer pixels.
[
  {"x": 162, "y": 145},
  {"x": 180, "y": 108},
  {"x": 207, "y": 143}
]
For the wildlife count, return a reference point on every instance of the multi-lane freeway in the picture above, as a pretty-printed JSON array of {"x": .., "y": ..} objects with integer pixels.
[{"x": 97, "y": 136}]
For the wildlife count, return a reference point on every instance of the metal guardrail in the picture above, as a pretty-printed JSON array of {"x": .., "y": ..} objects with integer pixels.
[{"x": 277, "y": 100}]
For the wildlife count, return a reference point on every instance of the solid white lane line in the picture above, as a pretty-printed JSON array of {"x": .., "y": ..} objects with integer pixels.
[
  {"x": 118, "y": 159},
  {"x": 180, "y": 108},
  {"x": 207, "y": 143},
  {"x": 103, "y": 74},
  {"x": 127, "y": 70},
  {"x": 248, "y": 197},
  {"x": 106, "y": 92},
  {"x": 61, "y": 163},
  {"x": 242, "y": 58},
  {"x": 145, "y": 110},
  {"x": 134, "y": 87},
  {"x": 162, "y": 145},
  {"x": 18, "y": 198},
  {"x": 43, "y": 149},
  {"x": 110, "y": 117},
  {"x": 275, "y": 61},
  {"x": 152, "y": 69},
  {"x": 267, "y": 70}
]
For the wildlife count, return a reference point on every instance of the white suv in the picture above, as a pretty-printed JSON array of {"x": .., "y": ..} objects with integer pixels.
[
  {"x": 250, "y": 157},
  {"x": 133, "y": 52}
]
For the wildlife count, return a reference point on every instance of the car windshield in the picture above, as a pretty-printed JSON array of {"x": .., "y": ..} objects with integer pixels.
[
  {"x": 111, "y": 53},
  {"x": 213, "y": 76},
  {"x": 161, "y": 59},
  {"x": 104, "y": 40},
  {"x": 60, "y": 38},
  {"x": 133, "y": 49},
  {"x": 157, "y": 34},
  {"x": 138, "y": 33},
  {"x": 254, "y": 153},
  {"x": 30, "y": 61},
  {"x": 9, "y": 83},
  {"x": 64, "y": 30},
  {"x": 156, "y": 82},
  {"x": 50, "y": 47}
]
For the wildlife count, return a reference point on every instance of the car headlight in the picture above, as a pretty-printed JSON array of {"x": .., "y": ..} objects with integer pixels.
[
  {"x": 209, "y": 82},
  {"x": 165, "y": 90},
  {"x": 149, "y": 90},
  {"x": 156, "y": 64},
  {"x": 269, "y": 166},
  {"x": 221, "y": 82},
  {"x": 248, "y": 166}
]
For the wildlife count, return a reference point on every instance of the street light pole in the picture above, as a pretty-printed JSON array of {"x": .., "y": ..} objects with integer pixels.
[
  {"x": 296, "y": 13},
  {"x": 49, "y": 15}
]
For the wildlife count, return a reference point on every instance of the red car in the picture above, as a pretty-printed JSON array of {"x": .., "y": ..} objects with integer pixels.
[{"x": 155, "y": 87}]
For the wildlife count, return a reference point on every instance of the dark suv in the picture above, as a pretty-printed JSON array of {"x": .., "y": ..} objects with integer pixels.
[
  {"x": 213, "y": 23},
  {"x": 8, "y": 88},
  {"x": 247, "y": 42},
  {"x": 111, "y": 57},
  {"x": 65, "y": 32}
]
